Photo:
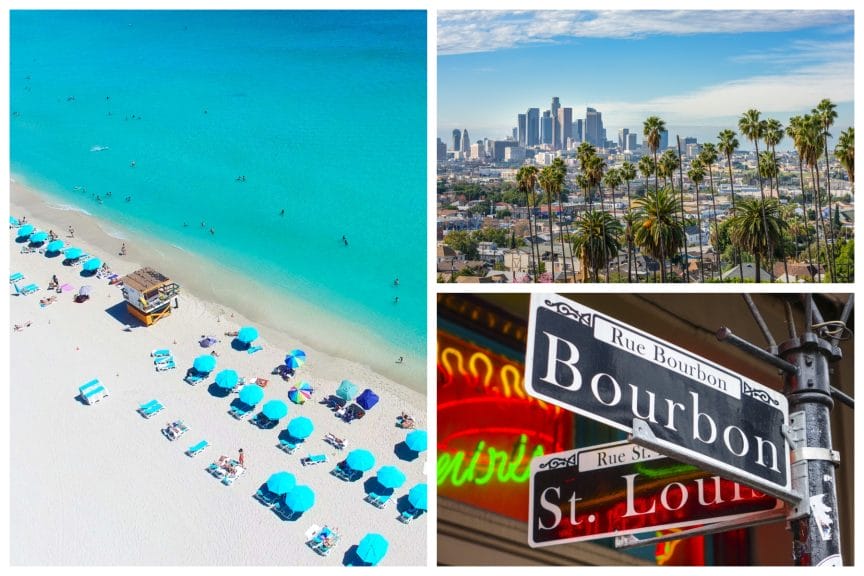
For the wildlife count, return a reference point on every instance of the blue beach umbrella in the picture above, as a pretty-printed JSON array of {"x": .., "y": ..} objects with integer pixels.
[
  {"x": 54, "y": 246},
  {"x": 275, "y": 410},
  {"x": 227, "y": 379},
  {"x": 204, "y": 364},
  {"x": 251, "y": 394},
  {"x": 372, "y": 548},
  {"x": 367, "y": 399},
  {"x": 390, "y": 477},
  {"x": 92, "y": 264},
  {"x": 281, "y": 483},
  {"x": 417, "y": 496},
  {"x": 25, "y": 230},
  {"x": 347, "y": 390},
  {"x": 73, "y": 253},
  {"x": 300, "y": 499},
  {"x": 247, "y": 334},
  {"x": 416, "y": 440},
  {"x": 295, "y": 359},
  {"x": 360, "y": 460},
  {"x": 39, "y": 237},
  {"x": 300, "y": 427}
]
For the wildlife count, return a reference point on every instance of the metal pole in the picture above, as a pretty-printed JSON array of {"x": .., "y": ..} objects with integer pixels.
[{"x": 814, "y": 522}]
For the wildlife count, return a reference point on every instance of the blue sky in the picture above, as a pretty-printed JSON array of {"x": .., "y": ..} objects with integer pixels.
[{"x": 699, "y": 71}]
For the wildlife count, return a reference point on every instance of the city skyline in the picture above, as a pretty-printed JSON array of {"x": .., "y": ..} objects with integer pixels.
[{"x": 699, "y": 71}]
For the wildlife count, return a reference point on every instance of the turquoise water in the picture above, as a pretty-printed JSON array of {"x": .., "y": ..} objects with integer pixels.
[{"x": 324, "y": 113}]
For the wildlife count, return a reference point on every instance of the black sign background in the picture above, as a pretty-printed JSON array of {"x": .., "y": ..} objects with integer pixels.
[{"x": 754, "y": 416}]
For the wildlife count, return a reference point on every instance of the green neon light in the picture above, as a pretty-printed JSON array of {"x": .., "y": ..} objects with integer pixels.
[
  {"x": 670, "y": 470},
  {"x": 500, "y": 465}
]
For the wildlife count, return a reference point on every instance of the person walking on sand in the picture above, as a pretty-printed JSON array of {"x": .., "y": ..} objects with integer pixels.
[
  {"x": 123, "y": 249},
  {"x": 240, "y": 458},
  {"x": 71, "y": 232}
]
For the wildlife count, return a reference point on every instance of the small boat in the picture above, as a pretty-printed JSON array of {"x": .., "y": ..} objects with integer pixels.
[{"x": 98, "y": 148}]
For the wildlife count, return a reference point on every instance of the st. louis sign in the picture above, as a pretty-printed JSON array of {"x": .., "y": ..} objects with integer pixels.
[
  {"x": 620, "y": 488},
  {"x": 679, "y": 403}
]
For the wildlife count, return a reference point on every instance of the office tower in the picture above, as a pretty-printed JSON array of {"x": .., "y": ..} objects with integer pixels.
[
  {"x": 533, "y": 124},
  {"x": 515, "y": 135},
  {"x": 466, "y": 142},
  {"x": 546, "y": 128},
  {"x": 522, "y": 125},
  {"x": 689, "y": 140},
  {"x": 623, "y": 133},
  {"x": 594, "y": 133},
  {"x": 441, "y": 149},
  {"x": 556, "y": 125},
  {"x": 498, "y": 149},
  {"x": 664, "y": 140},
  {"x": 578, "y": 127},
  {"x": 477, "y": 151},
  {"x": 631, "y": 142},
  {"x": 565, "y": 122},
  {"x": 457, "y": 140}
]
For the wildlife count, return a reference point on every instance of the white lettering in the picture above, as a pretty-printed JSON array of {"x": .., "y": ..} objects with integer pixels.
[
  {"x": 549, "y": 507},
  {"x": 553, "y": 360}
]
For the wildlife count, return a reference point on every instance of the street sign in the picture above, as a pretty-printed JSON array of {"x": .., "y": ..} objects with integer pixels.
[
  {"x": 622, "y": 488},
  {"x": 667, "y": 398}
]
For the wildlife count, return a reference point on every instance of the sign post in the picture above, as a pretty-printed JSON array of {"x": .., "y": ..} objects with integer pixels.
[
  {"x": 622, "y": 488},
  {"x": 667, "y": 398}
]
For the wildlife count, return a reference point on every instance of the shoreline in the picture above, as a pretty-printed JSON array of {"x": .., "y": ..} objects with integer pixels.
[{"x": 309, "y": 322}]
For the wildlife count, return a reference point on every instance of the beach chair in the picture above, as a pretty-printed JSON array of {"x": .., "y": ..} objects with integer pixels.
[
  {"x": 150, "y": 408},
  {"x": 313, "y": 459},
  {"x": 335, "y": 441},
  {"x": 324, "y": 540},
  {"x": 163, "y": 366},
  {"x": 196, "y": 449},
  {"x": 162, "y": 358},
  {"x": 230, "y": 477},
  {"x": 177, "y": 425},
  {"x": 341, "y": 472},
  {"x": 92, "y": 391},
  {"x": 238, "y": 412},
  {"x": 29, "y": 289},
  {"x": 254, "y": 349},
  {"x": 286, "y": 446},
  {"x": 267, "y": 497},
  {"x": 160, "y": 352},
  {"x": 16, "y": 277},
  {"x": 193, "y": 379},
  {"x": 378, "y": 500},
  {"x": 409, "y": 514},
  {"x": 285, "y": 512}
]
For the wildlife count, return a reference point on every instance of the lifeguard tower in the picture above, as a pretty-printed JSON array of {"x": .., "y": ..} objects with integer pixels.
[{"x": 148, "y": 295}]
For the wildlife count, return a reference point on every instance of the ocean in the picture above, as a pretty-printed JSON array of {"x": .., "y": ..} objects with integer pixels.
[{"x": 254, "y": 139}]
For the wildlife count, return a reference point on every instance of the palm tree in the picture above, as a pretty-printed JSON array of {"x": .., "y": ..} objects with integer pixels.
[
  {"x": 813, "y": 136},
  {"x": 773, "y": 136},
  {"x": 668, "y": 164},
  {"x": 652, "y": 130},
  {"x": 647, "y": 167},
  {"x": 658, "y": 231},
  {"x": 628, "y": 173},
  {"x": 797, "y": 130},
  {"x": 597, "y": 240},
  {"x": 754, "y": 129},
  {"x": 561, "y": 176},
  {"x": 593, "y": 170},
  {"x": 552, "y": 180},
  {"x": 612, "y": 179},
  {"x": 845, "y": 153},
  {"x": 527, "y": 181},
  {"x": 768, "y": 167},
  {"x": 727, "y": 144},
  {"x": 749, "y": 231},
  {"x": 826, "y": 112},
  {"x": 630, "y": 218},
  {"x": 708, "y": 156},
  {"x": 696, "y": 174}
]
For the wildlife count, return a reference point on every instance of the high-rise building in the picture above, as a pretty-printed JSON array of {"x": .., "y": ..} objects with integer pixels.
[
  {"x": 546, "y": 128},
  {"x": 664, "y": 140},
  {"x": 514, "y": 134},
  {"x": 630, "y": 145},
  {"x": 441, "y": 149},
  {"x": 466, "y": 143},
  {"x": 533, "y": 127},
  {"x": 457, "y": 140},
  {"x": 556, "y": 125},
  {"x": 565, "y": 122},
  {"x": 623, "y": 133},
  {"x": 594, "y": 132},
  {"x": 522, "y": 125},
  {"x": 578, "y": 130},
  {"x": 689, "y": 140}
]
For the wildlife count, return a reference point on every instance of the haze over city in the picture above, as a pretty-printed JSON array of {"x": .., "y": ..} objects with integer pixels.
[{"x": 698, "y": 70}]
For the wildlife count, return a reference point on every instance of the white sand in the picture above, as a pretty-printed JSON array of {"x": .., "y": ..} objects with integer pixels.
[{"x": 100, "y": 485}]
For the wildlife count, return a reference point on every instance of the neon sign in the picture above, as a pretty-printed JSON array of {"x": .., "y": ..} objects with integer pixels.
[{"x": 493, "y": 460}]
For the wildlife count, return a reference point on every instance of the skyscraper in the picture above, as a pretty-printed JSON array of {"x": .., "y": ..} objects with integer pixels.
[
  {"x": 631, "y": 142},
  {"x": 565, "y": 122},
  {"x": 664, "y": 140},
  {"x": 466, "y": 142},
  {"x": 546, "y": 128},
  {"x": 556, "y": 124},
  {"x": 457, "y": 140},
  {"x": 533, "y": 137},
  {"x": 441, "y": 150},
  {"x": 579, "y": 129},
  {"x": 623, "y": 133},
  {"x": 522, "y": 126},
  {"x": 594, "y": 128}
]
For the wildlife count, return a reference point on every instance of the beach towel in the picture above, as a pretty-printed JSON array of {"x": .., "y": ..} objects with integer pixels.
[{"x": 67, "y": 288}]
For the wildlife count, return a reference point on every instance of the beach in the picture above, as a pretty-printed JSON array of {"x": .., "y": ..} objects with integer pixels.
[{"x": 100, "y": 485}]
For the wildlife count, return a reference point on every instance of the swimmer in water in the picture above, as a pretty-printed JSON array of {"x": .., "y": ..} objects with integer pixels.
[{"x": 344, "y": 240}]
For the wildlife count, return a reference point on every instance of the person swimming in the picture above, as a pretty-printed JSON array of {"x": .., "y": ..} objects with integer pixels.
[{"x": 344, "y": 240}]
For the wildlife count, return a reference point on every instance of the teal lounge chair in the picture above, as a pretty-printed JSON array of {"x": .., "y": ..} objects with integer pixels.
[
  {"x": 410, "y": 514},
  {"x": 193, "y": 379},
  {"x": 267, "y": 498},
  {"x": 29, "y": 289},
  {"x": 196, "y": 449},
  {"x": 160, "y": 352},
  {"x": 254, "y": 349},
  {"x": 238, "y": 413},
  {"x": 163, "y": 366},
  {"x": 162, "y": 358},
  {"x": 286, "y": 446},
  {"x": 16, "y": 277},
  {"x": 151, "y": 408},
  {"x": 313, "y": 459}
]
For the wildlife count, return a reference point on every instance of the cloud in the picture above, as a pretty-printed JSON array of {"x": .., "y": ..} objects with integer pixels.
[{"x": 466, "y": 31}]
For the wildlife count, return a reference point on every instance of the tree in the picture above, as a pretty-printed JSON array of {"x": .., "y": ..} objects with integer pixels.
[
  {"x": 756, "y": 226},
  {"x": 658, "y": 231},
  {"x": 708, "y": 156},
  {"x": 526, "y": 177},
  {"x": 628, "y": 173},
  {"x": 462, "y": 241},
  {"x": 845, "y": 269},
  {"x": 696, "y": 174},
  {"x": 597, "y": 239},
  {"x": 647, "y": 167},
  {"x": 826, "y": 112},
  {"x": 612, "y": 179},
  {"x": 845, "y": 152},
  {"x": 727, "y": 145},
  {"x": 768, "y": 167},
  {"x": 652, "y": 130},
  {"x": 754, "y": 129},
  {"x": 773, "y": 136},
  {"x": 551, "y": 178},
  {"x": 797, "y": 130}
]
